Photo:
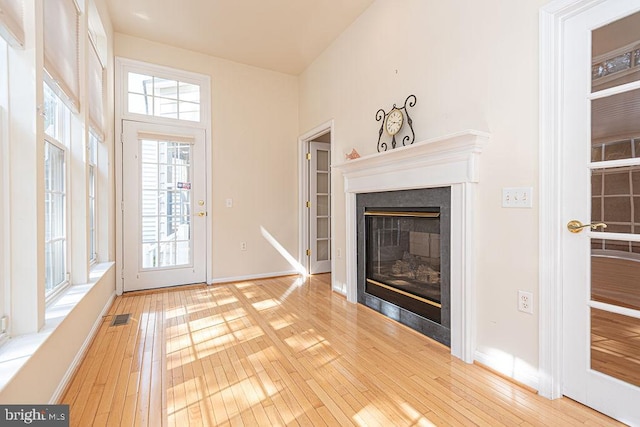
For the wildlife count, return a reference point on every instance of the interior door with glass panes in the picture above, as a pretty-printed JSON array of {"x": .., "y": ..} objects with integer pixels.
[
  {"x": 164, "y": 206},
  {"x": 320, "y": 207},
  {"x": 601, "y": 209}
]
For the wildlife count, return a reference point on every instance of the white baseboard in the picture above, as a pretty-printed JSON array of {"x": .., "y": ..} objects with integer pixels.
[
  {"x": 253, "y": 277},
  {"x": 57, "y": 395},
  {"x": 507, "y": 366}
]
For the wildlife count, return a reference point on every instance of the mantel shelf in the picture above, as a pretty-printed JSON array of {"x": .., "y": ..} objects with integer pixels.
[{"x": 446, "y": 160}]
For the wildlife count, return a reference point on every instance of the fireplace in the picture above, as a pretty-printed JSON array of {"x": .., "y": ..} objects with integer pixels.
[
  {"x": 403, "y": 257},
  {"x": 450, "y": 161}
]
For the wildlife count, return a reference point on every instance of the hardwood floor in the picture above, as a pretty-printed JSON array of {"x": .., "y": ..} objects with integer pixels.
[{"x": 286, "y": 352}]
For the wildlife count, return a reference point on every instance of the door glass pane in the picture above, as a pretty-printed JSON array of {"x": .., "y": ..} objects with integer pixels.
[
  {"x": 322, "y": 204},
  {"x": 616, "y": 53},
  {"x": 615, "y": 127},
  {"x": 614, "y": 345},
  {"x": 323, "y": 182},
  {"x": 615, "y": 199},
  {"x": 322, "y": 248},
  {"x": 165, "y": 185},
  {"x": 615, "y": 269},
  {"x": 323, "y": 160},
  {"x": 323, "y": 228}
]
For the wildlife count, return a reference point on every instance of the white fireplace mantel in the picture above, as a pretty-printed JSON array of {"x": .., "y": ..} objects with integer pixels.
[{"x": 448, "y": 161}]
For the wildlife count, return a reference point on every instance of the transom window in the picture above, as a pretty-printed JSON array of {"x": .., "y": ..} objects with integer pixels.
[{"x": 160, "y": 97}]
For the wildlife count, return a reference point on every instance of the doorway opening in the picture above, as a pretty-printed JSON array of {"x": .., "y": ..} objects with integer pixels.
[
  {"x": 163, "y": 166},
  {"x": 315, "y": 190}
]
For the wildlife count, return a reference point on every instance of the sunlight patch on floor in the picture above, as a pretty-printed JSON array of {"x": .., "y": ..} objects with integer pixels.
[
  {"x": 281, "y": 322},
  {"x": 266, "y": 304},
  {"x": 296, "y": 284},
  {"x": 300, "y": 343},
  {"x": 415, "y": 416},
  {"x": 285, "y": 254},
  {"x": 509, "y": 365}
]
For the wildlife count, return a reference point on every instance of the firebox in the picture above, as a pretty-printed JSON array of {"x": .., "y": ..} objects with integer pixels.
[{"x": 403, "y": 257}]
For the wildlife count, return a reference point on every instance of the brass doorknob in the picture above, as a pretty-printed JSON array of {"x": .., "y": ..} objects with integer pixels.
[{"x": 576, "y": 226}]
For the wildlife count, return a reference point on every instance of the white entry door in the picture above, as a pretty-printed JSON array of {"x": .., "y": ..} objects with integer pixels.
[
  {"x": 601, "y": 185},
  {"x": 320, "y": 207},
  {"x": 164, "y": 206}
]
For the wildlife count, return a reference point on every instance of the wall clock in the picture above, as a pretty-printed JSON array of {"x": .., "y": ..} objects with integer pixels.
[{"x": 392, "y": 123}]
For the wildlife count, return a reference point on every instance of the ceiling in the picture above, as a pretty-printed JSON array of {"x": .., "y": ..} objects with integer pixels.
[{"x": 279, "y": 35}]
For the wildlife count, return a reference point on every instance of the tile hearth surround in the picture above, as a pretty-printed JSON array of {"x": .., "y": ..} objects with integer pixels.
[{"x": 450, "y": 160}]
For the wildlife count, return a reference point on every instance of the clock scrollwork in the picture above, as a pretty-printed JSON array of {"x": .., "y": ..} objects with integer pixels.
[{"x": 393, "y": 121}]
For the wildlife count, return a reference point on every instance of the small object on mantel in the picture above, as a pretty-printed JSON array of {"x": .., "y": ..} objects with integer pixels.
[{"x": 352, "y": 155}]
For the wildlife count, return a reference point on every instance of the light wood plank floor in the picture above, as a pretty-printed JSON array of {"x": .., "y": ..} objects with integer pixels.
[{"x": 286, "y": 352}]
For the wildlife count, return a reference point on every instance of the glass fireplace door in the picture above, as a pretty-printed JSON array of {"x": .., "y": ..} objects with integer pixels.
[{"x": 403, "y": 259}]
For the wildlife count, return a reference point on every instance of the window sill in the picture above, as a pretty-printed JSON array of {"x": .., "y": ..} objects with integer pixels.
[{"x": 17, "y": 350}]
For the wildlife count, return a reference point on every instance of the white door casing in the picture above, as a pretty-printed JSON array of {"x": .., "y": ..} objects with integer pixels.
[
  {"x": 565, "y": 181},
  {"x": 164, "y": 206}
]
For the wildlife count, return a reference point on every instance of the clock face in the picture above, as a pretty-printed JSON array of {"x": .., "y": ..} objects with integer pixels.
[{"x": 394, "y": 121}]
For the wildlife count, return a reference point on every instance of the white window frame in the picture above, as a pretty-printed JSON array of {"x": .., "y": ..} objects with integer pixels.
[
  {"x": 64, "y": 111},
  {"x": 126, "y": 66},
  {"x": 92, "y": 195},
  {"x": 5, "y": 230}
]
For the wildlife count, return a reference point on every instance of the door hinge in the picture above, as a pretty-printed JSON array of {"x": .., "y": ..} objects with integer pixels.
[
  {"x": 308, "y": 156},
  {"x": 308, "y": 252},
  {"x": 308, "y": 204},
  {"x": 122, "y": 274},
  {"x": 4, "y": 324},
  {"x": 122, "y": 206},
  {"x": 122, "y": 138}
]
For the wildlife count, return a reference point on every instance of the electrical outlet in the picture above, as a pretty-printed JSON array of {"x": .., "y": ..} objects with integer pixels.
[
  {"x": 243, "y": 246},
  {"x": 525, "y": 302}
]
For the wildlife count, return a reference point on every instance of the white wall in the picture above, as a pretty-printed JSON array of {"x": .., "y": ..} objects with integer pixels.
[
  {"x": 255, "y": 129},
  {"x": 471, "y": 65}
]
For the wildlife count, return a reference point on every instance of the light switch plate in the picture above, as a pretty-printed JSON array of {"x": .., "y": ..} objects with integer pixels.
[{"x": 517, "y": 197}]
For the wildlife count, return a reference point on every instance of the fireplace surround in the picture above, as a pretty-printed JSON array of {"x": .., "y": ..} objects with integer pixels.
[
  {"x": 403, "y": 257},
  {"x": 447, "y": 161}
]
